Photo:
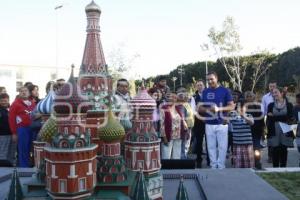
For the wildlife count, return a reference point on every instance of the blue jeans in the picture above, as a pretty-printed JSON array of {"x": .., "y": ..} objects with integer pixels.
[{"x": 24, "y": 145}]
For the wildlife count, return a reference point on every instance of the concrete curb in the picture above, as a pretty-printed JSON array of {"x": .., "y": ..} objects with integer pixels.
[{"x": 272, "y": 170}]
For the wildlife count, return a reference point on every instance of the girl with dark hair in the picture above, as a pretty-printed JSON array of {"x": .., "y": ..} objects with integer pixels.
[
  {"x": 33, "y": 93},
  {"x": 280, "y": 111}
]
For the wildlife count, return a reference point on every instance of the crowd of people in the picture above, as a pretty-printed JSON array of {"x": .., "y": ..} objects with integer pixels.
[
  {"x": 232, "y": 124},
  {"x": 21, "y": 120}
]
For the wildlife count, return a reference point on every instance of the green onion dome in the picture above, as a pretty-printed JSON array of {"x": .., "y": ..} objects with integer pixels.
[
  {"x": 48, "y": 130},
  {"x": 112, "y": 130}
]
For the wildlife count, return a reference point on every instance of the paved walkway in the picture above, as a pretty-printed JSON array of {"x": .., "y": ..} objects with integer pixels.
[
  {"x": 229, "y": 184},
  {"x": 293, "y": 159}
]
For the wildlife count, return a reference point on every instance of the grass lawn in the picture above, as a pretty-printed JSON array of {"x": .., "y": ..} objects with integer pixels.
[{"x": 288, "y": 183}]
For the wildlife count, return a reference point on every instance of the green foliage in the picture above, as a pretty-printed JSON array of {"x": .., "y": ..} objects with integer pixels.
[
  {"x": 288, "y": 66},
  {"x": 228, "y": 39},
  {"x": 227, "y": 46},
  {"x": 283, "y": 68}
]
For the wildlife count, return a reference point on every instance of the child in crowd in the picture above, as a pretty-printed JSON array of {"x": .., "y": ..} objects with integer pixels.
[{"x": 240, "y": 126}]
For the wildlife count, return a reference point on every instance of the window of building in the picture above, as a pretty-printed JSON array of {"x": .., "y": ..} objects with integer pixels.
[
  {"x": 94, "y": 179},
  {"x": 140, "y": 164},
  {"x": 62, "y": 186},
  {"x": 90, "y": 172},
  {"x": 49, "y": 183},
  {"x": 82, "y": 184},
  {"x": 79, "y": 143},
  {"x": 47, "y": 167},
  {"x": 154, "y": 163},
  {"x": 77, "y": 130},
  {"x": 53, "y": 171},
  {"x": 128, "y": 162},
  {"x": 66, "y": 130},
  {"x": 72, "y": 171}
]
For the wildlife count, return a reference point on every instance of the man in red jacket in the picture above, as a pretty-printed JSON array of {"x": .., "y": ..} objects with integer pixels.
[{"x": 19, "y": 122}]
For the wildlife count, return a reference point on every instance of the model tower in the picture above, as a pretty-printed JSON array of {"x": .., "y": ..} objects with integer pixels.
[
  {"x": 142, "y": 145},
  {"x": 70, "y": 160},
  {"x": 94, "y": 80}
]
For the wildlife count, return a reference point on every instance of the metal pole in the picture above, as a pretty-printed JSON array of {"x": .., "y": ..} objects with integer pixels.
[
  {"x": 56, "y": 47},
  {"x": 56, "y": 27},
  {"x": 181, "y": 78},
  {"x": 206, "y": 72},
  {"x": 174, "y": 85},
  {"x": 180, "y": 72}
]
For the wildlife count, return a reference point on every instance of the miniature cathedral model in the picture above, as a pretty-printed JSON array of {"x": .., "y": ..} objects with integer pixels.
[{"x": 78, "y": 155}]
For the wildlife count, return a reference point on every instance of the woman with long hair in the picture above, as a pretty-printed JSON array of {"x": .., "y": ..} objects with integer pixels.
[{"x": 280, "y": 111}]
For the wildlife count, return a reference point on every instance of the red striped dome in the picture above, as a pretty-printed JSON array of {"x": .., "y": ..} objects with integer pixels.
[{"x": 143, "y": 102}]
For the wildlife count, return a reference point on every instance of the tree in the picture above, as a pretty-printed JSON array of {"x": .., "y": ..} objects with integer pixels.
[
  {"x": 297, "y": 81},
  {"x": 287, "y": 66},
  {"x": 226, "y": 44},
  {"x": 243, "y": 72},
  {"x": 120, "y": 62},
  {"x": 257, "y": 66}
]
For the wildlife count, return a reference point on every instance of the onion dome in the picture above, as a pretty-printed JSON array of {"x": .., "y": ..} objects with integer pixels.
[
  {"x": 143, "y": 102},
  {"x": 69, "y": 100},
  {"x": 92, "y": 7},
  {"x": 181, "y": 192},
  {"x": 45, "y": 105},
  {"x": 48, "y": 130},
  {"x": 112, "y": 131}
]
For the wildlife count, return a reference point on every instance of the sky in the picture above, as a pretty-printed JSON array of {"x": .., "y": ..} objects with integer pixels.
[{"x": 152, "y": 36}]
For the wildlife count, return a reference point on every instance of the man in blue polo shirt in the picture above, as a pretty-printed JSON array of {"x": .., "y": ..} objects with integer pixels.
[{"x": 217, "y": 101}]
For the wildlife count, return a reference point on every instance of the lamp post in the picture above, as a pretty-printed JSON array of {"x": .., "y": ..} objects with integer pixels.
[
  {"x": 56, "y": 27},
  {"x": 181, "y": 72},
  {"x": 174, "y": 78}
]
